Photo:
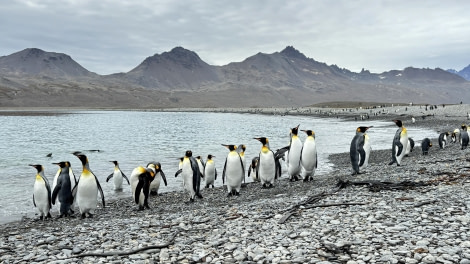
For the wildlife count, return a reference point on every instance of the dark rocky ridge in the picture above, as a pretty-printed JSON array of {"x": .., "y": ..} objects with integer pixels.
[{"x": 180, "y": 78}]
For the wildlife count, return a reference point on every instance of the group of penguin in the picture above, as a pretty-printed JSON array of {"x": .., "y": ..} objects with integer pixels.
[{"x": 300, "y": 159}]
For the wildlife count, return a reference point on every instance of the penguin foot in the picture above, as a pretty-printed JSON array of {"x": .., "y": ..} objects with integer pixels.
[
  {"x": 41, "y": 218},
  {"x": 49, "y": 215},
  {"x": 237, "y": 193},
  {"x": 391, "y": 162},
  {"x": 199, "y": 196},
  {"x": 153, "y": 192},
  {"x": 83, "y": 216}
]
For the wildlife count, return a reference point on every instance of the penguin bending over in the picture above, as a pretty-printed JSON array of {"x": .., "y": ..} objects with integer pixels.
[
  {"x": 399, "y": 144},
  {"x": 463, "y": 137},
  {"x": 409, "y": 147},
  {"x": 191, "y": 176},
  {"x": 234, "y": 171},
  {"x": 308, "y": 158},
  {"x": 42, "y": 193},
  {"x": 210, "y": 172},
  {"x": 252, "y": 169},
  {"x": 293, "y": 155},
  {"x": 268, "y": 167},
  {"x": 87, "y": 188},
  {"x": 63, "y": 189},
  {"x": 141, "y": 178},
  {"x": 159, "y": 176},
  {"x": 443, "y": 139},
  {"x": 359, "y": 151},
  {"x": 425, "y": 145},
  {"x": 117, "y": 176}
]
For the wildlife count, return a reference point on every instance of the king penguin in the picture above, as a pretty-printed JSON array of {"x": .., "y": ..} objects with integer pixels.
[
  {"x": 293, "y": 155},
  {"x": 309, "y": 159},
  {"x": 63, "y": 189},
  {"x": 191, "y": 176},
  {"x": 234, "y": 171},
  {"x": 73, "y": 182},
  {"x": 425, "y": 145},
  {"x": 267, "y": 169},
  {"x": 210, "y": 172},
  {"x": 359, "y": 150},
  {"x": 42, "y": 193},
  {"x": 463, "y": 137},
  {"x": 141, "y": 178},
  {"x": 399, "y": 144},
  {"x": 117, "y": 176},
  {"x": 200, "y": 165},
  {"x": 87, "y": 188},
  {"x": 159, "y": 176},
  {"x": 443, "y": 139},
  {"x": 252, "y": 169}
]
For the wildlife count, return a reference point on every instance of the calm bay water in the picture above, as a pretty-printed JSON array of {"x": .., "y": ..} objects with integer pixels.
[{"x": 135, "y": 138}]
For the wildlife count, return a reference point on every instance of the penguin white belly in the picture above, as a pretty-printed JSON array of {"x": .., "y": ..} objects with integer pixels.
[
  {"x": 155, "y": 184},
  {"x": 234, "y": 173},
  {"x": 117, "y": 180},
  {"x": 293, "y": 164},
  {"x": 309, "y": 158},
  {"x": 404, "y": 142},
  {"x": 367, "y": 148},
  {"x": 41, "y": 197},
  {"x": 134, "y": 180},
  {"x": 187, "y": 174},
  {"x": 87, "y": 193},
  {"x": 267, "y": 168},
  {"x": 209, "y": 173}
]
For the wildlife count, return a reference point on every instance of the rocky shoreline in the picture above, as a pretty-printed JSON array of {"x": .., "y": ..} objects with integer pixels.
[{"x": 294, "y": 222}]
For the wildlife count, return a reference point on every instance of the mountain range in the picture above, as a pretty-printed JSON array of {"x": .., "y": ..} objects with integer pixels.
[{"x": 180, "y": 78}]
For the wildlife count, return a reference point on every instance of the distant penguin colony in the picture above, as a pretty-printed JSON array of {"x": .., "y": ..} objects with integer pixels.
[{"x": 301, "y": 161}]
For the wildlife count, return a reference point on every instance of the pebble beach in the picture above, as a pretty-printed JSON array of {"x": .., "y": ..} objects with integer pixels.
[{"x": 414, "y": 213}]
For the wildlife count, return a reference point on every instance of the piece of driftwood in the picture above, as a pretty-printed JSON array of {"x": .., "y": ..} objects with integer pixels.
[
  {"x": 425, "y": 203},
  {"x": 376, "y": 186},
  {"x": 332, "y": 204},
  {"x": 129, "y": 252}
]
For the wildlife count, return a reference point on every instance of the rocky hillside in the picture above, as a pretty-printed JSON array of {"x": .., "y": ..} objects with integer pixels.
[
  {"x": 180, "y": 78},
  {"x": 464, "y": 73}
]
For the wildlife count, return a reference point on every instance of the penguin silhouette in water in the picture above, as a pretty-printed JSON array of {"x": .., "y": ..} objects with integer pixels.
[
  {"x": 425, "y": 145},
  {"x": 399, "y": 144},
  {"x": 359, "y": 150},
  {"x": 191, "y": 176},
  {"x": 118, "y": 176},
  {"x": 42, "y": 193}
]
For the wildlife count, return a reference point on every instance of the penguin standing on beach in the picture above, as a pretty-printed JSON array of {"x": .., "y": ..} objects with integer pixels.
[
  {"x": 399, "y": 144},
  {"x": 293, "y": 155},
  {"x": 425, "y": 145},
  {"x": 463, "y": 137},
  {"x": 191, "y": 176},
  {"x": 252, "y": 169},
  {"x": 443, "y": 139},
  {"x": 200, "y": 165},
  {"x": 268, "y": 166},
  {"x": 409, "y": 147},
  {"x": 308, "y": 157},
  {"x": 73, "y": 182},
  {"x": 141, "y": 178},
  {"x": 117, "y": 176},
  {"x": 234, "y": 171},
  {"x": 159, "y": 176},
  {"x": 359, "y": 151},
  {"x": 63, "y": 190},
  {"x": 42, "y": 193},
  {"x": 87, "y": 188},
  {"x": 210, "y": 172}
]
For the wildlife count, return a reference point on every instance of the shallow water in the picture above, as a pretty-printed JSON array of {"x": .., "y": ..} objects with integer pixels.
[{"x": 134, "y": 138}]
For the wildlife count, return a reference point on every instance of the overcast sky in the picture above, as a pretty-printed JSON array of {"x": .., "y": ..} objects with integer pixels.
[{"x": 110, "y": 36}]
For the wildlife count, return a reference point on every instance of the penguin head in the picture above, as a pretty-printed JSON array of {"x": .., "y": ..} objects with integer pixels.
[
  {"x": 295, "y": 130},
  {"x": 81, "y": 157},
  {"x": 62, "y": 164},
  {"x": 188, "y": 153},
  {"x": 362, "y": 129},
  {"x": 38, "y": 167},
  {"x": 398, "y": 123},
  {"x": 241, "y": 148},
  {"x": 209, "y": 157},
  {"x": 114, "y": 161},
  {"x": 263, "y": 140},
  {"x": 230, "y": 147},
  {"x": 309, "y": 132},
  {"x": 464, "y": 127}
]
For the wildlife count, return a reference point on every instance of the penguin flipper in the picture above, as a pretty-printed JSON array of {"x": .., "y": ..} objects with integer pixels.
[
  {"x": 362, "y": 156},
  {"x": 138, "y": 189},
  {"x": 163, "y": 177},
  {"x": 56, "y": 191},
  {"x": 125, "y": 177},
  {"x": 34, "y": 201},
  {"x": 223, "y": 173},
  {"x": 243, "y": 167},
  {"x": 100, "y": 190},
  {"x": 178, "y": 172},
  {"x": 400, "y": 148},
  {"x": 215, "y": 177},
  {"x": 257, "y": 168},
  {"x": 109, "y": 176}
]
